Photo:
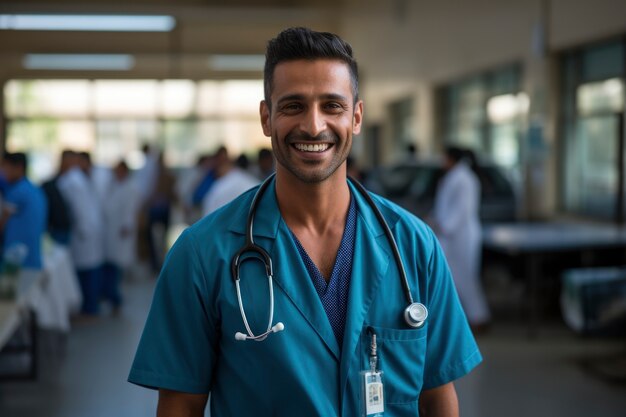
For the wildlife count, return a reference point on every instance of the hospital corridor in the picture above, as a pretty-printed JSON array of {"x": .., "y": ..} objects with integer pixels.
[{"x": 303, "y": 208}]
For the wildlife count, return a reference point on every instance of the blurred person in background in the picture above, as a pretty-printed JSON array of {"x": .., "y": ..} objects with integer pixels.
[
  {"x": 456, "y": 222},
  {"x": 186, "y": 185},
  {"x": 145, "y": 177},
  {"x": 264, "y": 166},
  {"x": 24, "y": 212},
  {"x": 231, "y": 181},
  {"x": 205, "y": 183},
  {"x": 353, "y": 169},
  {"x": 242, "y": 162},
  {"x": 59, "y": 216},
  {"x": 158, "y": 207},
  {"x": 120, "y": 234},
  {"x": 87, "y": 241},
  {"x": 411, "y": 153},
  {"x": 99, "y": 176}
]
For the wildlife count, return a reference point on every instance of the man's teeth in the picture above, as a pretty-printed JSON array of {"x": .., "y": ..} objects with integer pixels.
[{"x": 318, "y": 147}]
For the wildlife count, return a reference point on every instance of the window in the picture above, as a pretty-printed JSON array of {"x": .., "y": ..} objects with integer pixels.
[
  {"x": 485, "y": 113},
  {"x": 114, "y": 118},
  {"x": 592, "y": 104},
  {"x": 402, "y": 123}
]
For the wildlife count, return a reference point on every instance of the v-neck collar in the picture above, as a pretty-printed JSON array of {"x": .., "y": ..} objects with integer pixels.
[{"x": 319, "y": 281}]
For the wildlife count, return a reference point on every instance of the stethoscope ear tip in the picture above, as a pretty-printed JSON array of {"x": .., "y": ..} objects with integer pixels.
[{"x": 278, "y": 327}]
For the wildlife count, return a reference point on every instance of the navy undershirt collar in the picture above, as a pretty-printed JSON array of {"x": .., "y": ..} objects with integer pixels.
[{"x": 334, "y": 293}]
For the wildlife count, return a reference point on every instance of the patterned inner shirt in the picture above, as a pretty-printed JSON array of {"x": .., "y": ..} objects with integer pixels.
[{"x": 334, "y": 293}]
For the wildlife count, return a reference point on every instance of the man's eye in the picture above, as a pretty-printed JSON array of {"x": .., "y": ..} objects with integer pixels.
[
  {"x": 292, "y": 107},
  {"x": 334, "y": 106}
]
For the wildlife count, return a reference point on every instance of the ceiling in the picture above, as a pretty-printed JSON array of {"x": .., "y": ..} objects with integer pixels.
[{"x": 203, "y": 28}]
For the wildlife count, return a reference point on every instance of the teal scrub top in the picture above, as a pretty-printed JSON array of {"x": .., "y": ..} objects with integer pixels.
[{"x": 189, "y": 345}]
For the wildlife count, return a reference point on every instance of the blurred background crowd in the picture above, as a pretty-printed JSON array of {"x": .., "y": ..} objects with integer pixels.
[{"x": 114, "y": 221}]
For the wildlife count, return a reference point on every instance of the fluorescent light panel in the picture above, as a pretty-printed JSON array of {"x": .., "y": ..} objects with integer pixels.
[
  {"x": 97, "y": 23},
  {"x": 237, "y": 62},
  {"x": 79, "y": 62}
]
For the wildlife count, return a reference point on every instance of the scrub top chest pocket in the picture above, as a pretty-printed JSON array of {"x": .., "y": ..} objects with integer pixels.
[{"x": 401, "y": 356}]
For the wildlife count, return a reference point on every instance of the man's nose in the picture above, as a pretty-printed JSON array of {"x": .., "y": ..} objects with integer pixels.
[{"x": 313, "y": 122}]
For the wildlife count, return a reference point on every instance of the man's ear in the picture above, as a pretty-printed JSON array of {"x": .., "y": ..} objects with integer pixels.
[
  {"x": 264, "y": 111},
  {"x": 357, "y": 118}
]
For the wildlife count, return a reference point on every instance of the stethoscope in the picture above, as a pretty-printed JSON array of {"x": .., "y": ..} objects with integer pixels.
[{"x": 415, "y": 314}]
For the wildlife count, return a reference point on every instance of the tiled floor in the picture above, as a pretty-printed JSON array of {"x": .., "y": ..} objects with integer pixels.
[
  {"x": 520, "y": 377},
  {"x": 540, "y": 377}
]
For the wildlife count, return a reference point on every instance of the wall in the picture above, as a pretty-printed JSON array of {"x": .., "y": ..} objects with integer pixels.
[{"x": 407, "y": 47}]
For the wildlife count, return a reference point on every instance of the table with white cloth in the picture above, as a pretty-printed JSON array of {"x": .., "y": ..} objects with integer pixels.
[
  {"x": 15, "y": 312},
  {"x": 46, "y": 298},
  {"x": 59, "y": 295}
]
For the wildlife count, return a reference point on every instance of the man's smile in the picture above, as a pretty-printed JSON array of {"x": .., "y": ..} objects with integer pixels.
[{"x": 312, "y": 147}]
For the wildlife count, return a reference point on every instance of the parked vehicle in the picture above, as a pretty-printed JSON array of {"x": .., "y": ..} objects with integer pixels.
[{"x": 414, "y": 185}]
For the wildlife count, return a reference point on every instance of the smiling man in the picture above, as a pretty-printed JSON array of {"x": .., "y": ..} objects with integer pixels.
[{"x": 361, "y": 327}]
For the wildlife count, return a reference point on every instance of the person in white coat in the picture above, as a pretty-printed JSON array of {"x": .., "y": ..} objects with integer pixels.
[
  {"x": 121, "y": 209},
  {"x": 86, "y": 242},
  {"x": 457, "y": 224},
  {"x": 231, "y": 182}
]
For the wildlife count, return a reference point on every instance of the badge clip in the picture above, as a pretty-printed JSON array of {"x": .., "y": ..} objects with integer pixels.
[{"x": 372, "y": 389}]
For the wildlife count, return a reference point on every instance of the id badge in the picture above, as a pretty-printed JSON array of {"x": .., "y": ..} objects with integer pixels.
[{"x": 373, "y": 404}]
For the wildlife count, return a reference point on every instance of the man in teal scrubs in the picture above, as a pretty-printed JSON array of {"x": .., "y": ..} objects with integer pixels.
[{"x": 336, "y": 281}]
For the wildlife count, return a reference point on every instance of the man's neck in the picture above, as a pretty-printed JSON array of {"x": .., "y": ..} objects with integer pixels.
[{"x": 315, "y": 207}]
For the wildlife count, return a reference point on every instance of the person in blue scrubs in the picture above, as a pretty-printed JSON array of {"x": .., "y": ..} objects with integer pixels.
[
  {"x": 24, "y": 212},
  {"x": 336, "y": 281}
]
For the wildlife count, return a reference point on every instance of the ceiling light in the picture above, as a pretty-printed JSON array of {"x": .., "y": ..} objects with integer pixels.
[
  {"x": 79, "y": 62},
  {"x": 237, "y": 62},
  {"x": 111, "y": 23}
]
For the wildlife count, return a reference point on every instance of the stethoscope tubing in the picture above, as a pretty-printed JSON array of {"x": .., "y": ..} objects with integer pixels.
[
  {"x": 250, "y": 246},
  {"x": 392, "y": 241},
  {"x": 251, "y": 335}
]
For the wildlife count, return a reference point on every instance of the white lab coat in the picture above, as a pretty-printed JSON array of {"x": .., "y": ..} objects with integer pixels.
[
  {"x": 227, "y": 188},
  {"x": 456, "y": 214},
  {"x": 86, "y": 241},
  {"x": 120, "y": 213},
  {"x": 100, "y": 178},
  {"x": 146, "y": 176}
]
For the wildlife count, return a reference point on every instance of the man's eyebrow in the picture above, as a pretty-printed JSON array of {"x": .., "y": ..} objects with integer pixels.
[
  {"x": 300, "y": 97},
  {"x": 334, "y": 96},
  {"x": 291, "y": 97}
]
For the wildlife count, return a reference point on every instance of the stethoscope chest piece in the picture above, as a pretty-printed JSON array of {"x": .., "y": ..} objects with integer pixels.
[{"x": 415, "y": 315}]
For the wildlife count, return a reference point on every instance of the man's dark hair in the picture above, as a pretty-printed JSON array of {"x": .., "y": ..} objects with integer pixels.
[
  {"x": 302, "y": 43},
  {"x": 17, "y": 159}
]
